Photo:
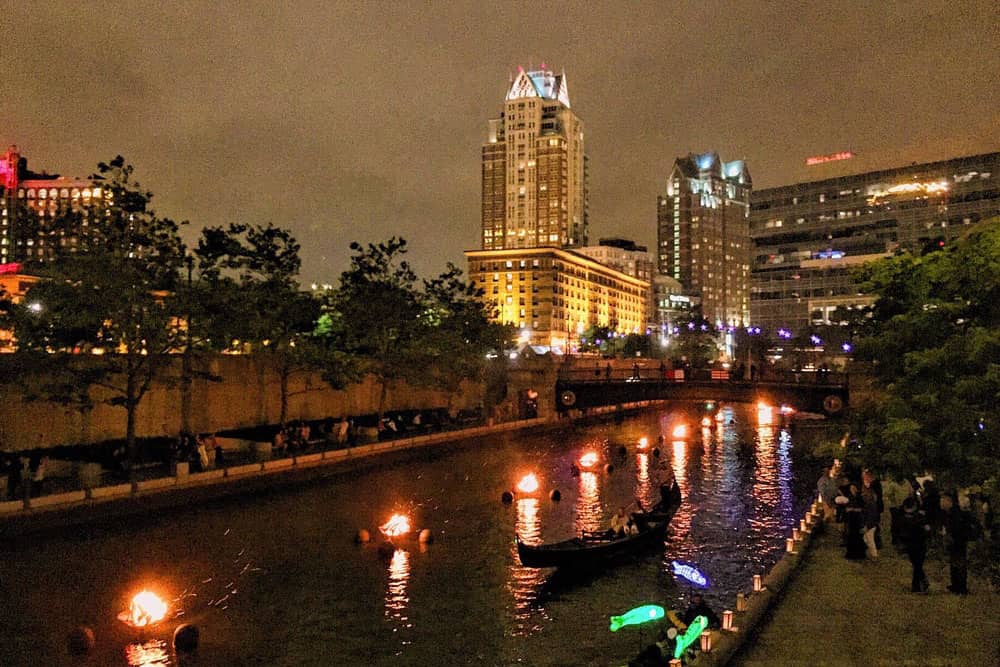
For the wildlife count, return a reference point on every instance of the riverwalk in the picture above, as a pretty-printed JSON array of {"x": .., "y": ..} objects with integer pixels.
[{"x": 842, "y": 613}]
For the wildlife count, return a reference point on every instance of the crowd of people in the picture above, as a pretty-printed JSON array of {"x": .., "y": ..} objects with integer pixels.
[
  {"x": 922, "y": 518},
  {"x": 25, "y": 474}
]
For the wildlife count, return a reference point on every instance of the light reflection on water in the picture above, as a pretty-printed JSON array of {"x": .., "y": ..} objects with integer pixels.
[
  {"x": 525, "y": 581},
  {"x": 467, "y": 595},
  {"x": 152, "y": 653},
  {"x": 589, "y": 511}
]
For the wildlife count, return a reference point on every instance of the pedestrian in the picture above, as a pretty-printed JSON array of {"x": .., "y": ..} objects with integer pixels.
[
  {"x": 202, "y": 458},
  {"x": 871, "y": 519},
  {"x": 36, "y": 468},
  {"x": 913, "y": 533},
  {"x": 870, "y": 481},
  {"x": 635, "y": 370},
  {"x": 959, "y": 527},
  {"x": 827, "y": 489},
  {"x": 607, "y": 371},
  {"x": 854, "y": 523},
  {"x": 342, "y": 427}
]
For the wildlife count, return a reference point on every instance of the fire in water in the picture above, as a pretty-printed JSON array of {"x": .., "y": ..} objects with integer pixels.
[
  {"x": 588, "y": 460},
  {"x": 765, "y": 414},
  {"x": 528, "y": 483},
  {"x": 145, "y": 609},
  {"x": 397, "y": 525},
  {"x": 680, "y": 431}
]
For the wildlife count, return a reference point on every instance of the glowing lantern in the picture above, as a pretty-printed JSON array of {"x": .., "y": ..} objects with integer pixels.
[
  {"x": 637, "y": 616},
  {"x": 690, "y": 573},
  {"x": 758, "y": 583},
  {"x": 680, "y": 431},
  {"x": 588, "y": 460},
  {"x": 706, "y": 642},
  {"x": 398, "y": 524},
  {"x": 146, "y": 608},
  {"x": 727, "y": 619},
  {"x": 528, "y": 483},
  {"x": 693, "y": 632},
  {"x": 643, "y": 442}
]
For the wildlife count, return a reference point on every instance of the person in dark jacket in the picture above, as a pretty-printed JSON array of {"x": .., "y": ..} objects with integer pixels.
[
  {"x": 959, "y": 529},
  {"x": 854, "y": 524},
  {"x": 914, "y": 531},
  {"x": 697, "y": 608}
]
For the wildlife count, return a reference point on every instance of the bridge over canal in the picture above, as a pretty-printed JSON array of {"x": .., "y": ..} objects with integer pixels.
[{"x": 820, "y": 392}]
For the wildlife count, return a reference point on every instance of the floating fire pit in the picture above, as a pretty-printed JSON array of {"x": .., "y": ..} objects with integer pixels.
[{"x": 145, "y": 609}]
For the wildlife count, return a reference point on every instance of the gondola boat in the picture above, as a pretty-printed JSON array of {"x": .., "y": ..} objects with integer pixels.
[{"x": 594, "y": 549}]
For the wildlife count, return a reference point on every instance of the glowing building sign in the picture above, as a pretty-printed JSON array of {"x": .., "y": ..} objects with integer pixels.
[
  {"x": 833, "y": 157},
  {"x": 693, "y": 632},
  {"x": 690, "y": 573},
  {"x": 915, "y": 187},
  {"x": 638, "y": 616}
]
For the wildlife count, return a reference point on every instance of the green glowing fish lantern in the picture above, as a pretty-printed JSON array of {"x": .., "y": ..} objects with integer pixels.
[
  {"x": 637, "y": 616},
  {"x": 693, "y": 632}
]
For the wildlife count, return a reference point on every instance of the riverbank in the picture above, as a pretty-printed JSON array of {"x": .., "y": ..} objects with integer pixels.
[
  {"x": 840, "y": 613},
  {"x": 124, "y": 500}
]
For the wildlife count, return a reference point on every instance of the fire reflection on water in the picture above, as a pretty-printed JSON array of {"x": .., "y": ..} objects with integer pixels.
[
  {"x": 524, "y": 581},
  {"x": 152, "y": 653},
  {"x": 643, "y": 484},
  {"x": 397, "y": 597},
  {"x": 588, "y": 504}
]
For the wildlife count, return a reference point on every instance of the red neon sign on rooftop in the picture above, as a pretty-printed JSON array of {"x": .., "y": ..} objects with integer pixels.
[
  {"x": 10, "y": 268},
  {"x": 833, "y": 157}
]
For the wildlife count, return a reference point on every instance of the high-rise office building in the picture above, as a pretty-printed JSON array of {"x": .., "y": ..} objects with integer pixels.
[
  {"x": 534, "y": 168},
  {"x": 807, "y": 237},
  {"x": 703, "y": 235},
  {"x": 534, "y": 219},
  {"x": 29, "y": 205}
]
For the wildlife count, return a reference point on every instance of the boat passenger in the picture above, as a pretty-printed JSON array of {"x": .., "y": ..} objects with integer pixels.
[{"x": 619, "y": 523}]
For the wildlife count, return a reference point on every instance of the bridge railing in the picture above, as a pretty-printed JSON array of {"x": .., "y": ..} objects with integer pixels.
[{"x": 653, "y": 374}]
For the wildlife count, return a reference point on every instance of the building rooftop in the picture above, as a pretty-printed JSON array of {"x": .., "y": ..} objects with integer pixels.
[{"x": 542, "y": 83}]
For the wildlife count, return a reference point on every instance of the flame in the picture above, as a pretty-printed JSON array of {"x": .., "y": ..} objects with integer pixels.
[
  {"x": 787, "y": 410},
  {"x": 706, "y": 422},
  {"x": 680, "y": 431},
  {"x": 588, "y": 460},
  {"x": 528, "y": 483},
  {"x": 643, "y": 442},
  {"x": 398, "y": 524},
  {"x": 765, "y": 414},
  {"x": 145, "y": 609}
]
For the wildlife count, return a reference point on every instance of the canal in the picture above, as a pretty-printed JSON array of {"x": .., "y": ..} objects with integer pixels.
[{"x": 275, "y": 579}]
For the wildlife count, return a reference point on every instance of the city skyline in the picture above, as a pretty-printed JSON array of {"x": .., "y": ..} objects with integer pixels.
[{"x": 347, "y": 127}]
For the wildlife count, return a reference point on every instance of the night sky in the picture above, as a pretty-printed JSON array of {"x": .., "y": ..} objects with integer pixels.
[{"x": 357, "y": 121}]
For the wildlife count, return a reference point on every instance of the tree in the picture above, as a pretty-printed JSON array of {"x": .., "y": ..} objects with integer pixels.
[
  {"x": 252, "y": 271},
  {"x": 103, "y": 316},
  {"x": 461, "y": 331},
  {"x": 935, "y": 352},
  {"x": 696, "y": 343},
  {"x": 397, "y": 328}
]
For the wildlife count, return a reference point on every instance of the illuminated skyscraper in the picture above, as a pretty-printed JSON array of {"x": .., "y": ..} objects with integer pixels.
[
  {"x": 703, "y": 235},
  {"x": 29, "y": 205},
  {"x": 534, "y": 168}
]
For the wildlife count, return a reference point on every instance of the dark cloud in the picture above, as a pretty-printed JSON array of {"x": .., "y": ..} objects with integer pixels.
[{"x": 360, "y": 121}]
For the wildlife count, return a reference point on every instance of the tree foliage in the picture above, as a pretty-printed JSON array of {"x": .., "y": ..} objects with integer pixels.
[
  {"x": 398, "y": 328},
  {"x": 103, "y": 315},
  {"x": 934, "y": 346}
]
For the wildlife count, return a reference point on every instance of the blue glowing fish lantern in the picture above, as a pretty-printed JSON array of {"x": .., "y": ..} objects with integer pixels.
[{"x": 690, "y": 573}]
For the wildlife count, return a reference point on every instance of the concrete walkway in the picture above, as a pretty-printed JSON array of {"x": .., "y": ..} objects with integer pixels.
[{"x": 841, "y": 613}]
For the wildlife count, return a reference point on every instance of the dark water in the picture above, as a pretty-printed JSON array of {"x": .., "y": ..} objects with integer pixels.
[{"x": 276, "y": 579}]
